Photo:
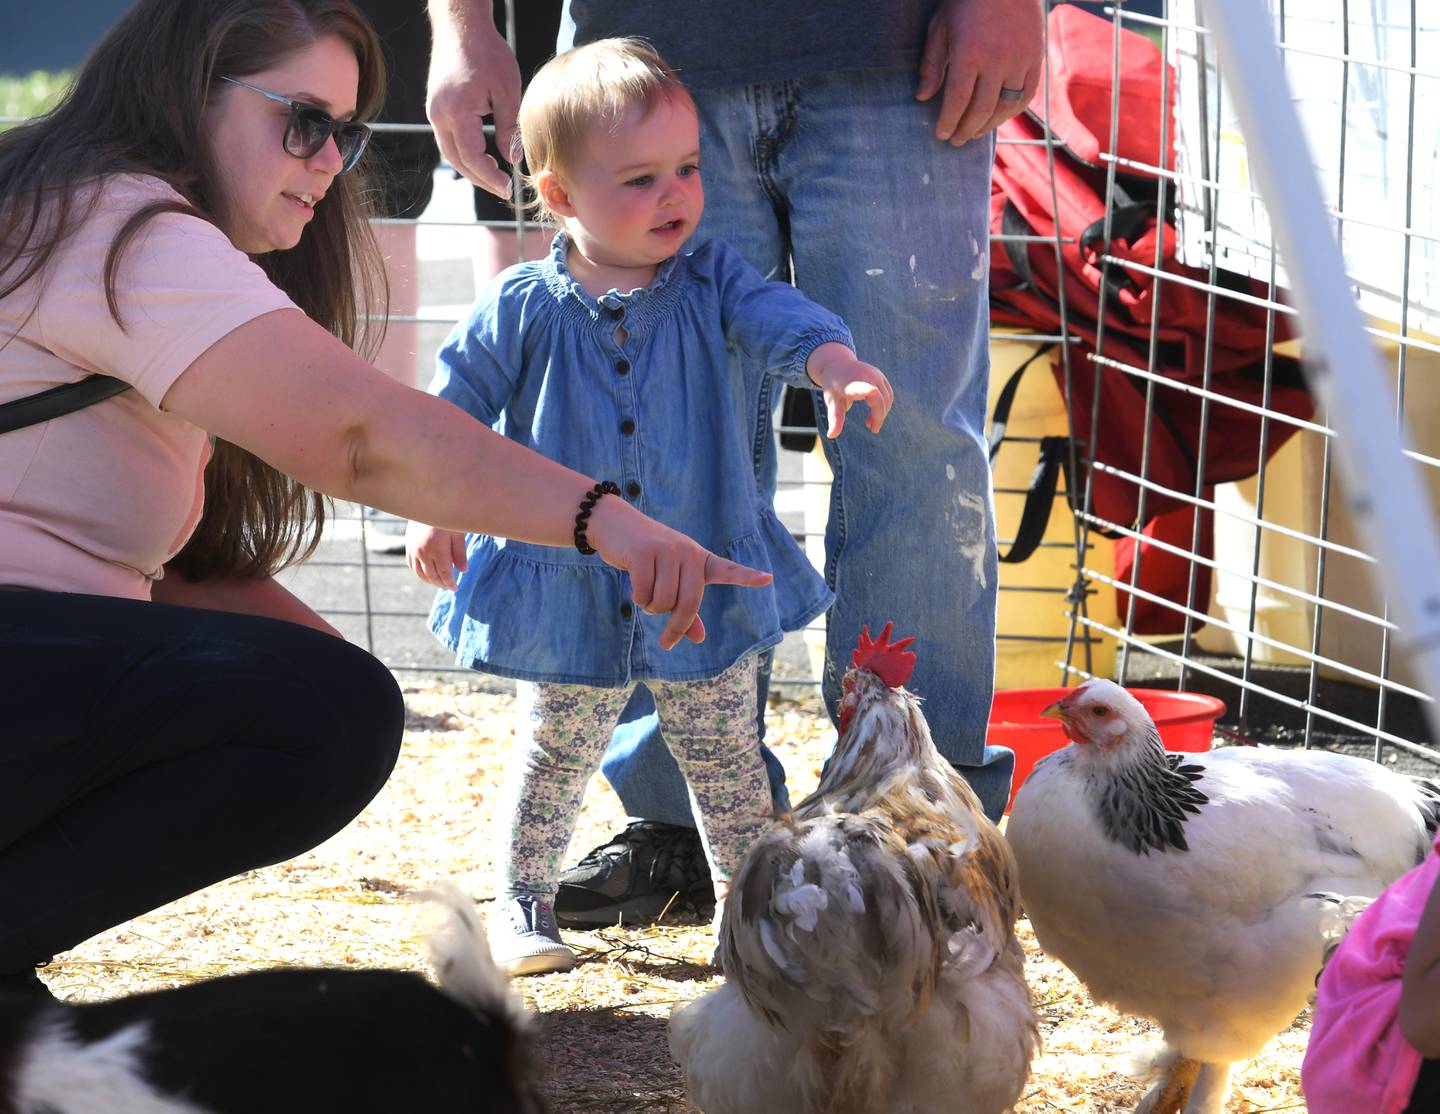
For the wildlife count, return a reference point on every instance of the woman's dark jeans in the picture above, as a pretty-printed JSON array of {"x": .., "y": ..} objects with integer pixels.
[{"x": 147, "y": 751}]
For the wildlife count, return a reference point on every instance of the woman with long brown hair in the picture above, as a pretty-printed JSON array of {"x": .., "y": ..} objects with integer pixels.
[{"x": 184, "y": 223}]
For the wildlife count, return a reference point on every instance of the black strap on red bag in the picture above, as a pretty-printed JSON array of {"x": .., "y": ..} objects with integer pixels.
[
  {"x": 57, "y": 401},
  {"x": 1053, "y": 461}
]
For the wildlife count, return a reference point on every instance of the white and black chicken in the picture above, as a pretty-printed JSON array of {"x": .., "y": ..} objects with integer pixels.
[
  {"x": 1198, "y": 889},
  {"x": 868, "y": 940}
]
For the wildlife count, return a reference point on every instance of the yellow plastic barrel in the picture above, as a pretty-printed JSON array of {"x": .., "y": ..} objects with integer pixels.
[{"x": 1033, "y": 620}]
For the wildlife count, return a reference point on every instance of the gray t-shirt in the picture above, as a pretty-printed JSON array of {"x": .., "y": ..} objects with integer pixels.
[{"x": 716, "y": 43}]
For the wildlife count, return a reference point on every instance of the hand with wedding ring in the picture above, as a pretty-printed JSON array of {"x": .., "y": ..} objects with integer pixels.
[
  {"x": 986, "y": 56},
  {"x": 473, "y": 74}
]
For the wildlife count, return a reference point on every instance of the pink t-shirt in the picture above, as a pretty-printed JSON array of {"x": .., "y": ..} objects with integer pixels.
[
  {"x": 99, "y": 499},
  {"x": 1357, "y": 1059}
]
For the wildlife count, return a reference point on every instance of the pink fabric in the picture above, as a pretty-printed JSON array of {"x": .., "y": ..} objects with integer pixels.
[
  {"x": 98, "y": 500},
  {"x": 1357, "y": 1059}
]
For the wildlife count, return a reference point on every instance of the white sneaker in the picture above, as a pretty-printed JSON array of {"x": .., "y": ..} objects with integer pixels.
[{"x": 526, "y": 940}]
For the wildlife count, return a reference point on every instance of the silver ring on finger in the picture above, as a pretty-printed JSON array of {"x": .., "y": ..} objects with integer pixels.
[{"x": 1011, "y": 94}]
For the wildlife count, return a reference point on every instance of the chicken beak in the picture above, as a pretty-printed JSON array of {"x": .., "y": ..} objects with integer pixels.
[{"x": 1053, "y": 712}]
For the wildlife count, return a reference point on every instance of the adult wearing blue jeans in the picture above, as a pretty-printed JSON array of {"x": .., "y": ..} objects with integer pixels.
[{"x": 847, "y": 147}]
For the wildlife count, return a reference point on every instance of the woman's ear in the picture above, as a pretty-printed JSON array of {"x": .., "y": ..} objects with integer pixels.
[{"x": 552, "y": 193}]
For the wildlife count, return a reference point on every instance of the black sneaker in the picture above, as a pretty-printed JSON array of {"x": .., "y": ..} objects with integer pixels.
[{"x": 632, "y": 879}]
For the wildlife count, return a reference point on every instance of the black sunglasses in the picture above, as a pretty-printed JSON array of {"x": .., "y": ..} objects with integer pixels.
[{"x": 309, "y": 127}]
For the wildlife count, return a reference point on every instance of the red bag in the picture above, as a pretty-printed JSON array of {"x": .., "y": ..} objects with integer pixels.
[{"x": 1025, "y": 282}]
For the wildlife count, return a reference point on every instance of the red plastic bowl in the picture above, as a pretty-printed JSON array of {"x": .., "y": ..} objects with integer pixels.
[{"x": 1186, "y": 721}]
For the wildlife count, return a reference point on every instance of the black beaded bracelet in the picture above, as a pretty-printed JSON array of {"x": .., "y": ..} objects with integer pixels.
[{"x": 587, "y": 504}]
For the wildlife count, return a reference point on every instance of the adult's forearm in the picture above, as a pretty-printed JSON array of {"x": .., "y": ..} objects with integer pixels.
[
  {"x": 295, "y": 396},
  {"x": 1420, "y": 1015},
  {"x": 464, "y": 476},
  {"x": 1420, "y": 984},
  {"x": 459, "y": 16},
  {"x": 439, "y": 466}
]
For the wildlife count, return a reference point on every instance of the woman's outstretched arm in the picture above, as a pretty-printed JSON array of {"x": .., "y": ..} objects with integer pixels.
[{"x": 286, "y": 390}]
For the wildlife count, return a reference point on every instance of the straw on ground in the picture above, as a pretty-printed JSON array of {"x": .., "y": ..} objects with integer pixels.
[{"x": 603, "y": 1024}]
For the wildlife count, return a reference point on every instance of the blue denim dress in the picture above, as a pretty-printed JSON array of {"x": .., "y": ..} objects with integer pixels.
[{"x": 671, "y": 416}]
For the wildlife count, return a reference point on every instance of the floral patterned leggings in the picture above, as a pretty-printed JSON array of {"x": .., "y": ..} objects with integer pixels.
[{"x": 564, "y": 730}]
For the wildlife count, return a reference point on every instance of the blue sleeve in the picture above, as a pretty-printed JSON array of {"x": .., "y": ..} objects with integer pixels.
[
  {"x": 771, "y": 322},
  {"x": 479, "y": 365}
]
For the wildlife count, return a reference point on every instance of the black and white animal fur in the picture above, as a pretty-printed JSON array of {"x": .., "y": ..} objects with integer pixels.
[{"x": 284, "y": 1041}]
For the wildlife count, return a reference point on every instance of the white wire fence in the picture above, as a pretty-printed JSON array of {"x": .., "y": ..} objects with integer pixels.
[{"x": 1259, "y": 587}]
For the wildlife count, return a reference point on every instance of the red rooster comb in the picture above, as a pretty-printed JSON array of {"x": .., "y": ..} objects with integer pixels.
[{"x": 891, "y": 662}]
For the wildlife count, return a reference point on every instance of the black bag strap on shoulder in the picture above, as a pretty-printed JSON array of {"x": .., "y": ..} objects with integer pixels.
[
  {"x": 64, "y": 399},
  {"x": 1053, "y": 461}
]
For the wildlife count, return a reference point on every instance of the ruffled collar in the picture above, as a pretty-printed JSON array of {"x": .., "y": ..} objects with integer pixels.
[{"x": 636, "y": 307}]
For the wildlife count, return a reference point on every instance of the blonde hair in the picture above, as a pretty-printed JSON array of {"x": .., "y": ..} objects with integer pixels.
[{"x": 573, "y": 92}]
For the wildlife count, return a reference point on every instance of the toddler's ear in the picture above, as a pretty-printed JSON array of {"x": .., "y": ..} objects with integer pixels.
[{"x": 552, "y": 193}]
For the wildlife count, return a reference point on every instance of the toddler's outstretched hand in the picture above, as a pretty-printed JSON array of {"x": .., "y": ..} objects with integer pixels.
[
  {"x": 435, "y": 555},
  {"x": 846, "y": 380}
]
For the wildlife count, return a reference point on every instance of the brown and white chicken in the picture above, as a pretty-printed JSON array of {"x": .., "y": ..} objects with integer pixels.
[
  {"x": 1202, "y": 890},
  {"x": 868, "y": 940}
]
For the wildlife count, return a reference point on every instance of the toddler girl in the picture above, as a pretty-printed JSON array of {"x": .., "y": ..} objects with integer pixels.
[{"x": 624, "y": 357}]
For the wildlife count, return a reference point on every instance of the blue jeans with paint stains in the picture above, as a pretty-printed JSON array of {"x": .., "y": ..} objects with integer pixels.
[{"x": 838, "y": 183}]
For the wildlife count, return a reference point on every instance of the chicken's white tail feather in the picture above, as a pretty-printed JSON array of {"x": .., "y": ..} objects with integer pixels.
[
  {"x": 992, "y": 1014},
  {"x": 731, "y": 1059},
  {"x": 733, "y": 1062},
  {"x": 460, "y": 954}
]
